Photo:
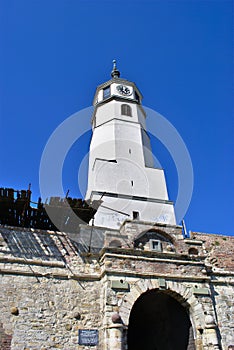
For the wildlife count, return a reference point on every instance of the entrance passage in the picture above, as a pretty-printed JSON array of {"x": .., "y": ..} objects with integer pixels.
[{"x": 159, "y": 322}]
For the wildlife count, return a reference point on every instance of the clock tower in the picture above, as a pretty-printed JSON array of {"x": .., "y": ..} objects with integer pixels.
[{"x": 121, "y": 165}]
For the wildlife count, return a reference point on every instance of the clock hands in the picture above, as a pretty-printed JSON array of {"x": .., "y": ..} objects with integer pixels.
[{"x": 124, "y": 90}]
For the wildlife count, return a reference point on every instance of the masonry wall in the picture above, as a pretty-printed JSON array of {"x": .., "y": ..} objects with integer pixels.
[
  {"x": 47, "y": 291},
  {"x": 219, "y": 252},
  {"x": 51, "y": 285},
  {"x": 46, "y": 312}
]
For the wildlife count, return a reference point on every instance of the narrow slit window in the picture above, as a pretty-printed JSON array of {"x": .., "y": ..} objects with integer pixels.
[
  {"x": 132, "y": 183},
  {"x": 106, "y": 92},
  {"x": 135, "y": 215},
  {"x": 126, "y": 110},
  {"x": 137, "y": 97}
]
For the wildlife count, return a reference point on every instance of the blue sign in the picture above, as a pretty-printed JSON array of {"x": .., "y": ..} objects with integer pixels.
[{"x": 88, "y": 337}]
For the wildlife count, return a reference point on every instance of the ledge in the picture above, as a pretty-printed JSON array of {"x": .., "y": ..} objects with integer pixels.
[
  {"x": 25, "y": 261},
  {"x": 193, "y": 241},
  {"x": 155, "y": 276},
  {"x": 98, "y": 277},
  {"x": 81, "y": 277},
  {"x": 135, "y": 254}
]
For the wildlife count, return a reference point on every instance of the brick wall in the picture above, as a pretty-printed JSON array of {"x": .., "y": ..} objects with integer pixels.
[
  {"x": 5, "y": 339},
  {"x": 219, "y": 249}
]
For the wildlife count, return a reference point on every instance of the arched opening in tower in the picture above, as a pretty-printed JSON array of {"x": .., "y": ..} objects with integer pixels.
[{"x": 159, "y": 322}]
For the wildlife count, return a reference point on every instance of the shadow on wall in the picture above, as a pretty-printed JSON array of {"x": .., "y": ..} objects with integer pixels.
[{"x": 27, "y": 244}]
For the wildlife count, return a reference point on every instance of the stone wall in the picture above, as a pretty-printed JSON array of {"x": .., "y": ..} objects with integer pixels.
[
  {"x": 54, "y": 284},
  {"x": 224, "y": 306},
  {"x": 219, "y": 252},
  {"x": 47, "y": 291},
  {"x": 42, "y": 313}
]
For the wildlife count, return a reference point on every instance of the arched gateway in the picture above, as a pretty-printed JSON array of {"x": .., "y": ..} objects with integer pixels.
[{"x": 159, "y": 322}]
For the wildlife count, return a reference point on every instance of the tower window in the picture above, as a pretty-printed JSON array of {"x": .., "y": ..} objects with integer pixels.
[
  {"x": 126, "y": 110},
  {"x": 106, "y": 92},
  {"x": 132, "y": 183},
  {"x": 135, "y": 215},
  {"x": 137, "y": 96},
  {"x": 155, "y": 245}
]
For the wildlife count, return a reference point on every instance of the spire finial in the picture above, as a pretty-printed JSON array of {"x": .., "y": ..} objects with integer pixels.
[{"x": 115, "y": 72}]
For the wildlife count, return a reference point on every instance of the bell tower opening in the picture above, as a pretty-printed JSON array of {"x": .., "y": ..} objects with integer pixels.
[{"x": 159, "y": 322}]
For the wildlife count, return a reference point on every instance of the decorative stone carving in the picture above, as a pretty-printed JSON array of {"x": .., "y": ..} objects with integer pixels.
[{"x": 111, "y": 298}]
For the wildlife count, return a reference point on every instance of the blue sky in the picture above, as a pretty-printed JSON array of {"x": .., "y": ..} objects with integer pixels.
[{"x": 54, "y": 53}]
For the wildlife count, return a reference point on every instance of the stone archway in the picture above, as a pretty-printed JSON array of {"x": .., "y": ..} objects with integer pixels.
[{"x": 159, "y": 322}]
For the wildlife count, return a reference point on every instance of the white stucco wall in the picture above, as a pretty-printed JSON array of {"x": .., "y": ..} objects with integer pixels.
[
  {"x": 112, "y": 109},
  {"x": 121, "y": 163},
  {"x": 148, "y": 211}
]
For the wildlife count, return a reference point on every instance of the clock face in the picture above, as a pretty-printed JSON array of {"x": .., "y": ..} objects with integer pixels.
[{"x": 124, "y": 90}]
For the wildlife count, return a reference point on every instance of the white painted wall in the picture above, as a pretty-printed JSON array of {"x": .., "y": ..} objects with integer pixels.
[
  {"x": 112, "y": 109},
  {"x": 148, "y": 211},
  {"x": 121, "y": 163}
]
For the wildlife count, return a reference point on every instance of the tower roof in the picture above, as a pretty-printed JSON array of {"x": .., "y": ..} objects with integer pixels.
[
  {"x": 115, "y": 72},
  {"x": 115, "y": 79}
]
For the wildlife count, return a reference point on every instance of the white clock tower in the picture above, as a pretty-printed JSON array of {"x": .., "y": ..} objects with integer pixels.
[{"x": 121, "y": 166}]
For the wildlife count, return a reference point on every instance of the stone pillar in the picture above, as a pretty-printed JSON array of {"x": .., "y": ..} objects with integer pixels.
[
  {"x": 114, "y": 332},
  {"x": 115, "y": 337},
  {"x": 210, "y": 333}
]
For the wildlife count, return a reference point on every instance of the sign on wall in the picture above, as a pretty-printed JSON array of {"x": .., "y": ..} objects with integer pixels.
[{"x": 88, "y": 337}]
